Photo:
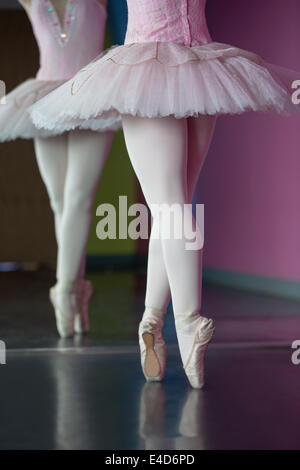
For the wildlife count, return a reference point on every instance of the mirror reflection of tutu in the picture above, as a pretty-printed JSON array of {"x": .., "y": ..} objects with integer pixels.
[
  {"x": 15, "y": 121},
  {"x": 64, "y": 49}
]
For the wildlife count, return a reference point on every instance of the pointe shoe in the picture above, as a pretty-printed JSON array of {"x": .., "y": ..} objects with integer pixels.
[
  {"x": 194, "y": 365},
  {"x": 152, "y": 345},
  {"x": 82, "y": 323},
  {"x": 192, "y": 431},
  {"x": 64, "y": 302},
  {"x": 152, "y": 416}
]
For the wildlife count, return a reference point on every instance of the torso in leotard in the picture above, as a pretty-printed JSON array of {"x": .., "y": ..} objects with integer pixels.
[
  {"x": 179, "y": 21},
  {"x": 66, "y": 48}
]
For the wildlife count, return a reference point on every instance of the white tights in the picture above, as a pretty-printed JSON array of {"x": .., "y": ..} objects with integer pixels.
[
  {"x": 167, "y": 155},
  {"x": 71, "y": 165}
]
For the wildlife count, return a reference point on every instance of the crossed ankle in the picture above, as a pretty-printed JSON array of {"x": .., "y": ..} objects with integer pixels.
[
  {"x": 152, "y": 321},
  {"x": 188, "y": 317},
  {"x": 67, "y": 285},
  {"x": 186, "y": 322},
  {"x": 153, "y": 312}
]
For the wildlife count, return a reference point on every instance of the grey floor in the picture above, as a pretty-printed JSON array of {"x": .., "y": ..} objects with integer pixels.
[{"x": 89, "y": 393}]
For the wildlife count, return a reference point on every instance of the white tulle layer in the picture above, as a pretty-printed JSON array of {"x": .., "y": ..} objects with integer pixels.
[
  {"x": 15, "y": 120},
  {"x": 161, "y": 79}
]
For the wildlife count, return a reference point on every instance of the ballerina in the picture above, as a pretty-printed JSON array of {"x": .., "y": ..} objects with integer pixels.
[
  {"x": 69, "y": 34},
  {"x": 167, "y": 84}
]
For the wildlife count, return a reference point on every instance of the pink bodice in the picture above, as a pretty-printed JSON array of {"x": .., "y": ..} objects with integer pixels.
[
  {"x": 65, "y": 49},
  {"x": 179, "y": 21}
]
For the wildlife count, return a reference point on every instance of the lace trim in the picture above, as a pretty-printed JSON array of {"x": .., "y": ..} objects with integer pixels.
[
  {"x": 155, "y": 57},
  {"x": 197, "y": 57}
]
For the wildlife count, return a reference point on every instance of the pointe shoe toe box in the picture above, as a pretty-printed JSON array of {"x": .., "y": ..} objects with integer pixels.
[
  {"x": 82, "y": 324},
  {"x": 194, "y": 368},
  {"x": 195, "y": 381}
]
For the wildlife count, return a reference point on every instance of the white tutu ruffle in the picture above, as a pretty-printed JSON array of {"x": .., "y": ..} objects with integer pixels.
[
  {"x": 15, "y": 120},
  {"x": 162, "y": 79}
]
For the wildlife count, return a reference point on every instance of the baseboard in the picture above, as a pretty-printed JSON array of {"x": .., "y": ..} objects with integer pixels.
[
  {"x": 115, "y": 262},
  {"x": 254, "y": 283},
  {"x": 235, "y": 280}
]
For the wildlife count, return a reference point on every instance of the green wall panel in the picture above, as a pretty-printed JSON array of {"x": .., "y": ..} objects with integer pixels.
[{"x": 118, "y": 179}]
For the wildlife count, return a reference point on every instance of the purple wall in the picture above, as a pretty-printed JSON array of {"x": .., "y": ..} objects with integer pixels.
[{"x": 251, "y": 180}]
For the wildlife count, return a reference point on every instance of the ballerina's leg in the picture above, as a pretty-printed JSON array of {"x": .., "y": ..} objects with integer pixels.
[
  {"x": 87, "y": 154},
  {"x": 200, "y": 132}
]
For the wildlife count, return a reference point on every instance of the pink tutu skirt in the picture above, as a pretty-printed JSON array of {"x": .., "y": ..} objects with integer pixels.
[
  {"x": 162, "y": 79},
  {"x": 15, "y": 121}
]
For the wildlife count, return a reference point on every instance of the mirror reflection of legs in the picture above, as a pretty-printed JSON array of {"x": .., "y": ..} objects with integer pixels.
[
  {"x": 149, "y": 227},
  {"x": 71, "y": 166}
]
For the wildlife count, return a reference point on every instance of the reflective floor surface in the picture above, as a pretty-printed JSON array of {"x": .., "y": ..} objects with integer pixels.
[
  {"x": 100, "y": 401},
  {"x": 90, "y": 393}
]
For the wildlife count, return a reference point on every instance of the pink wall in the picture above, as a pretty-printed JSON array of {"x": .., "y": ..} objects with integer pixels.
[{"x": 251, "y": 180}]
